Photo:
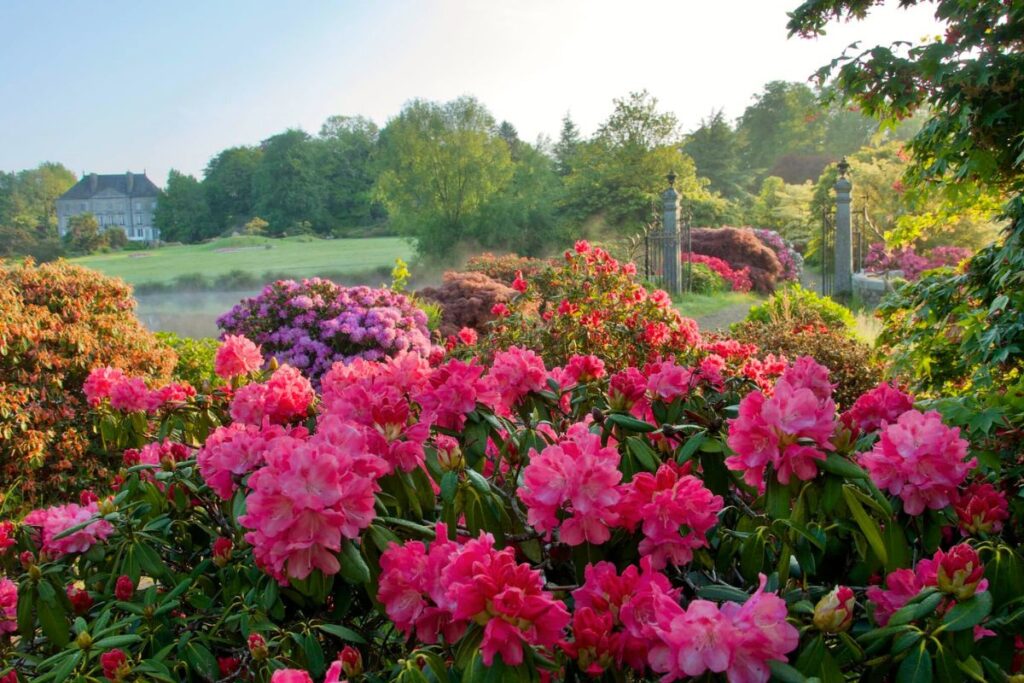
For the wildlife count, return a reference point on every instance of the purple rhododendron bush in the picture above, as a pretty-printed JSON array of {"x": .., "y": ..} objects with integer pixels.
[{"x": 696, "y": 512}]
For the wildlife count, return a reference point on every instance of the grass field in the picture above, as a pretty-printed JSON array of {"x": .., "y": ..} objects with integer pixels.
[
  {"x": 300, "y": 256},
  {"x": 717, "y": 311}
]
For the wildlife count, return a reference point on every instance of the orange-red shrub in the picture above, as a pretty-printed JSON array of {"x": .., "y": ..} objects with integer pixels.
[
  {"x": 504, "y": 268},
  {"x": 58, "y": 322}
]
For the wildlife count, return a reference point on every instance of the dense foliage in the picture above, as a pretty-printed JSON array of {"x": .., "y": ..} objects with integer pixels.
[
  {"x": 314, "y": 323},
  {"x": 909, "y": 262},
  {"x": 798, "y": 306},
  {"x": 58, "y": 322},
  {"x": 594, "y": 305},
  {"x": 467, "y": 300},
  {"x": 195, "y": 359},
  {"x": 507, "y": 267},
  {"x": 741, "y": 248}
]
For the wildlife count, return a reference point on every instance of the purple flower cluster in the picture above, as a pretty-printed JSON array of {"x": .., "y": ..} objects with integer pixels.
[
  {"x": 791, "y": 260},
  {"x": 880, "y": 260},
  {"x": 315, "y": 323}
]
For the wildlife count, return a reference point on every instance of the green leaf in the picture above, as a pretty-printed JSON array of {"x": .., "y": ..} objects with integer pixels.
[
  {"x": 339, "y": 631},
  {"x": 867, "y": 525},
  {"x": 117, "y": 641},
  {"x": 837, "y": 464},
  {"x": 968, "y": 613},
  {"x": 785, "y": 673},
  {"x": 435, "y": 664},
  {"x": 916, "y": 608},
  {"x": 643, "y": 453},
  {"x": 778, "y": 499},
  {"x": 690, "y": 446},
  {"x": 54, "y": 623},
  {"x": 353, "y": 567},
  {"x": 63, "y": 672},
  {"x": 201, "y": 660},
  {"x": 26, "y": 601},
  {"x": 449, "y": 484},
  {"x": 917, "y": 667},
  {"x": 630, "y": 423},
  {"x": 722, "y": 593}
]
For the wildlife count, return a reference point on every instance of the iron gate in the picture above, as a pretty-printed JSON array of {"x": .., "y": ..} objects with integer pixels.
[{"x": 828, "y": 251}]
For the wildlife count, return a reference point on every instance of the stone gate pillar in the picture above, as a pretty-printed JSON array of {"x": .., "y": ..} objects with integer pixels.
[
  {"x": 670, "y": 243},
  {"x": 843, "y": 282}
]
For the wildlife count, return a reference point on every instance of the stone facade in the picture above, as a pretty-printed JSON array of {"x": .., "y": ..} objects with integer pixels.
[{"x": 122, "y": 200}]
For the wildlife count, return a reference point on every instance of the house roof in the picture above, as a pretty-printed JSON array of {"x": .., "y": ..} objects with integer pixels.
[{"x": 93, "y": 184}]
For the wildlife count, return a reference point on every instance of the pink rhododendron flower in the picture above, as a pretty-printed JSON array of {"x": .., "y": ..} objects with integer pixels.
[
  {"x": 237, "y": 356},
  {"x": 738, "y": 640},
  {"x": 8, "y": 606},
  {"x": 290, "y": 676},
  {"x": 284, "y": 398},
  {"x": 231, "y": 452},
  {"x": 585, "y": 368},
  {"x": 100, "y": 383},
  {"x": 981, "y": 508},
  {"x": 919, "y": 459},
  {"x": 626, "y": 389},
  {"x": 412, "y": 592},
  {"x": 834, "y": 612},
  {"x": 129, "y": 395},
  {"x": 468, "y": 336},
  {"x": 775, "y": 431},
  {"x": 115, "y": 665},
  {"x": 877, "y": 408},
  {"x": 576, "y": 477},
  {"x": 304, "y": 501},
  {"x": 901, "y": 586},
  {"x": 453, "y": 391},
  {"x": 634, "y": 601},
  {"x": 515, "y": 373},
  {"x": 6, "y": 536},
  {"x": 171, "y": 393},
  {"x": 667, "y": 381},
  {"x": 674, "y": 510},
  {"x": 519, "y": 284},
  {"x": 488, "y": 586},
  {"x": 57, "y": 519},
  {"x": 593, "y": 645},
  {"x": 959, "y": 571}
]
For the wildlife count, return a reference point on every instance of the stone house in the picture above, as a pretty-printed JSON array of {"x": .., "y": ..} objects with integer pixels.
[{"x": 123, "y": 200}]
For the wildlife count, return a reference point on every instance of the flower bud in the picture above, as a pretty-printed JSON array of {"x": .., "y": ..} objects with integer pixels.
[
  {"x": 86, "y": 497},
  {"x": 834, "y": 612},
  {"x": 273, "y": 364},
  {"x": 258, "y": 647},
  {"x": 107, "y": 506},
  {"x": 124, "y": 589},
  {"x": 80, "y": 599},
  {"x": 83, "y": 641},
  {"x": 351, "y": 661},
  {"x": 115, "y": 665},
  {"x": 9, "y": 677},
  {"x": 27, "y": 559},
  {"x": 222, "y": 551},
  {"x": 449, "y": 455},
  {"x": 982, "y": 509},
  {"x": 959, "y": 572}
]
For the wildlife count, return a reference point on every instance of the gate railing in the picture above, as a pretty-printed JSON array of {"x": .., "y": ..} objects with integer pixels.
[{"x": 828, "y": 251}]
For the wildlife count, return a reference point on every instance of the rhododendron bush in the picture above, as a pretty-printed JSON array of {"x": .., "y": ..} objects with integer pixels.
[
  {"x": 58, "y": 322},
  {"x": 314, "y": 323},
  {"x": 701, "y": 515}
]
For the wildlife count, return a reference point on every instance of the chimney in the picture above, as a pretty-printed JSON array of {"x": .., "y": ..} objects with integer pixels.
[
  {"x": 93, "y": 182},
  {"x": 131, "y": 181}
]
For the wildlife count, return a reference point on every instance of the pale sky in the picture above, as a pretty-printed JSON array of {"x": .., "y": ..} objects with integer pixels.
[{"x": 127, "y": 85}]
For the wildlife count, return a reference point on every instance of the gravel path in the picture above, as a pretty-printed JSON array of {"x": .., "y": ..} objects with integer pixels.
[{"x": 721, "y": 319}]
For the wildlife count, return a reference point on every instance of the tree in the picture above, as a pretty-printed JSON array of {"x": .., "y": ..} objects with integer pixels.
[
  {"x": 440, "y": 164},
  {"x": 784, "y": 119},
  {"x": 84, "y": 235},
  {"x": 227, "y": 182},
  {"x": 567, "y": 146},
  {"x": 620, "y": 173},
  {"x": 970, "y": 82},
  {"x": 182, "y": 214},
  {"x": 508, "y": 133},
  {"x": 28, "y": 216},
  {"x": 256, "y": 226},
  {"x": 347, "y": 145},
  {"x": 288, "y": 186},
  {"x": 714, "y": 148}
]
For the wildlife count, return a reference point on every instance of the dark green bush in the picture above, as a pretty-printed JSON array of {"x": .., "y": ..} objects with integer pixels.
[
  {"x": 195, "y": 359},
  {"x": 797, "y": 306},
  {"x": 703, "y": 280}
]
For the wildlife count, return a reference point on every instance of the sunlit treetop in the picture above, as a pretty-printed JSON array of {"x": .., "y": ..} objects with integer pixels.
[{"x": 971, "y": 80}]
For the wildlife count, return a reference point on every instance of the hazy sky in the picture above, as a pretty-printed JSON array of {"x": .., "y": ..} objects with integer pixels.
[{"x": 128, "y": 85}]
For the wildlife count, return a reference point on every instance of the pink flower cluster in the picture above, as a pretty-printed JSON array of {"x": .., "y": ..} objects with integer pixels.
[
  {"x": 307, "y": 497},
  {"x": 958, "y": 571},
  {"x": 791, "y": 260},
  {"x": 515, "y": 373},
  {"x": 875, "y": 409},
  {"x": 232, "y": 451},
  {"x": 55, "y": 520},
  {"x": 739, "y": 280},
  {"x": 577, "y": 479},
  {"x": 237, "y": 357},
  {"x": 788, "y": 431},
  {"x": 453, "y": 390},
  {"x": 130, "y": 394},
  {"x": 8, "y": 606},
  {"x": 441, "y": 590},
  {"x": 738, "y": 640},
  {"x": 6, "y": 536},
  {"x": 283, "y": 399},
  {"x": 906, "y": 259},
  {"x": 919, "y": 459},
  {"x": 673, "y": 509}
]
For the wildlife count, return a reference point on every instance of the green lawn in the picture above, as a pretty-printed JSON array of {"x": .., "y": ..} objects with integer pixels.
[{"x": 300, "y": 256}]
